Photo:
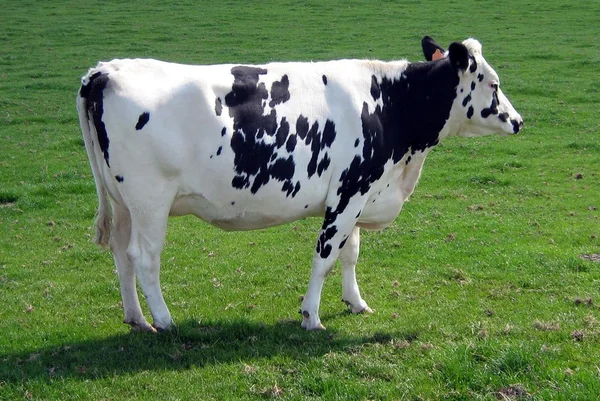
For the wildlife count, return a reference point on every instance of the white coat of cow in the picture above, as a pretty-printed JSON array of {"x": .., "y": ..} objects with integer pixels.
[{"x": 246, "y": 147}]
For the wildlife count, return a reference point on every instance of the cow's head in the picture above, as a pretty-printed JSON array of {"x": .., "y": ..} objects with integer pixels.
[{"x": 480, "y": 107}]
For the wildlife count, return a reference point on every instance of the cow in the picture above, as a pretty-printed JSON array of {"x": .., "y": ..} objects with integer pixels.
[{"x": 246, "y": 147}]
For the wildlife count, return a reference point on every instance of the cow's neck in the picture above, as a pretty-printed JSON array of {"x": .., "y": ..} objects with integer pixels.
[{"x": 416, "y": 106}]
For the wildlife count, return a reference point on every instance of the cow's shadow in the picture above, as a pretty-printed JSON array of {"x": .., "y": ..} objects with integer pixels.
[{"x": 191, "y": 344}]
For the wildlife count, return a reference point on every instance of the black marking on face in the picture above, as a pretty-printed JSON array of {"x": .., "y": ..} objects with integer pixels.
[
  {"x": 324, "y": 79},
  {"x": 516, "y": 125},
  {"x": 480, "y": 77},
  {"x": 375, "y": 89},
  {"x": 466, "y": 100},
  {"x": 142, "y": 120},
  {"x": 470, "y": 112},
  {"x": 93, "y": 93},
  {"x": 493, "y": 109},
  {"x": 223, "y": 131},
  {"x": 279, "y": 91},
  {"x": 119, "y": 178},
  {"x": 473, "y": 85},
  {"x": 473, "y": 66},
  {"x": 218, "y": 106},
  {"x": 503, "y": 117},
  {"x": 219, "y": 150}
]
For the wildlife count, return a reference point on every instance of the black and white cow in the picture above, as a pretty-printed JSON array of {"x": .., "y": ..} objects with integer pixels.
[{"x": 245, "y": 147}]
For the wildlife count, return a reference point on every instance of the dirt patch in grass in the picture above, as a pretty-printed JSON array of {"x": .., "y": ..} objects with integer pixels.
[{"x": 594, "y": 257}]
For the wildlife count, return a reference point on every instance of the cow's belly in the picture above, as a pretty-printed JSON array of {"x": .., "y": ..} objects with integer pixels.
[
  {"x": 240, "y": 216},
  {"x": 382, "y": 212}
]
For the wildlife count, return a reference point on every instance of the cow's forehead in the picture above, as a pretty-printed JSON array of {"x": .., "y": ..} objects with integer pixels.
[{"x": 474, "y": 46}]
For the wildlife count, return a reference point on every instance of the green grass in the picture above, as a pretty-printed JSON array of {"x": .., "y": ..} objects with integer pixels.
[{"x": 478, "y": 287}]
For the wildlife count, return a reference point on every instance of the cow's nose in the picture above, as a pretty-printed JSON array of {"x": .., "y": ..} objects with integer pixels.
[{"x": 517, "y": 125}]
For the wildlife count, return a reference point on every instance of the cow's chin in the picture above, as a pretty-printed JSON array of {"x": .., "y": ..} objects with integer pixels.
[{"x": 473, "y": 130}]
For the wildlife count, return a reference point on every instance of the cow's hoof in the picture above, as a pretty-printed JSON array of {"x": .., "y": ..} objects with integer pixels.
[
  {"x": 362, "y": 307},
  {"x": 310, "y": 325},
  {"x": 316, "y": 327},
  {"x": 162, "y": 329},
  {"x": 366, "y": 310},
  {"x": 144, "y": 327}
]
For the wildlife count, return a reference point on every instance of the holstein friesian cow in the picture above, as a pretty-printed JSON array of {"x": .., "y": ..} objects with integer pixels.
[{"x": 246, "y": 147}]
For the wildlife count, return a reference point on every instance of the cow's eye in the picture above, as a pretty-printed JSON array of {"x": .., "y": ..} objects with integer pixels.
[{"x": 494, "y": 86}]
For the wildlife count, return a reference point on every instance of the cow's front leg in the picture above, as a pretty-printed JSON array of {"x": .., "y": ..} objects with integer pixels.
[
  {"x": 312, "y": 299},
  {"x": 335, "y": 231},
  {"x": 348, "y": 257}
]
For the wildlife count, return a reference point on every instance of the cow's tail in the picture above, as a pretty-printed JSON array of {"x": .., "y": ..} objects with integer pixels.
[{"x": 104, "y": 212}]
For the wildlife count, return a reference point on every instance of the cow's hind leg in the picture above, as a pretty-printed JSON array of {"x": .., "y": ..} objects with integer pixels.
[
  {"x": 348, "y": 257},
  {"x": 148, "y": 230},
  {"x": 119, "y": 241}
]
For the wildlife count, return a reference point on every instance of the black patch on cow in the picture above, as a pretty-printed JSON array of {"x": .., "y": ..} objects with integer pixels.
[
  {"x": 328, "y": 134},
  {"x": 93, "y": 93},
  {"x": 258, "y": 137},
  {"x": 223, "y": 131},
  {"x": 279, "y": 91},
  {"x": 306, "y": 206},
  {"x": 466, "y": 100},
  {"x": 142, "y": 120},
  {"x": 219, "y": 150},
  {"x": 473, "y": 66},
  {"x": 375, "y": 89},
  {"x": 516, "y": 125},
  {"x": 232, "y": 203},
  {"x": 473, "y": 85},
  {"x": 291, "y": 143},
  {"x": 343, "y": 243},
  {"x": 323, "y": 164},
  {"x": 408, "y": 159},
  {"x": 218, "y": 106},
  {"x": 356, "y": 142},
  {"x": 296, "y": 189},
  {"x": 480, "y": 77},
  {"x": 302, "y": 127},
  {"x": 324, "y": 79},
  {"x": 328, "y": 231},
  {"x": 503, "y": 117},
  {"x": 470, "y": 112},
  {"x": 414, "y": 110},
  {"x": 119, "y": 178},
  {"x": 493, "y": 109}
]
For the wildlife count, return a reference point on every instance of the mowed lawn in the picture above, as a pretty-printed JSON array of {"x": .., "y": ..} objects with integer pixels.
[{"x": 485, "y": 287}]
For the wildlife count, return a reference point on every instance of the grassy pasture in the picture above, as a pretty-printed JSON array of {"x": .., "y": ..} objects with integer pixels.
[{"x": 479, "y": 287}]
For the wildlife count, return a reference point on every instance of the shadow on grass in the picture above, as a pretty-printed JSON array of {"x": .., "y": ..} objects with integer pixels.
[{"x": 191, "y": 344}]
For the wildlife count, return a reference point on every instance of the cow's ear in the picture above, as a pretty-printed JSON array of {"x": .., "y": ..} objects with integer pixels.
[
  {"x": 459, "y": 56},
  {"x": 430, "y": 48}
]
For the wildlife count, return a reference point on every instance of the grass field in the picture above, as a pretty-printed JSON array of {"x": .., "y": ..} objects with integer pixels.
[{"x": 480, "y": 287}]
